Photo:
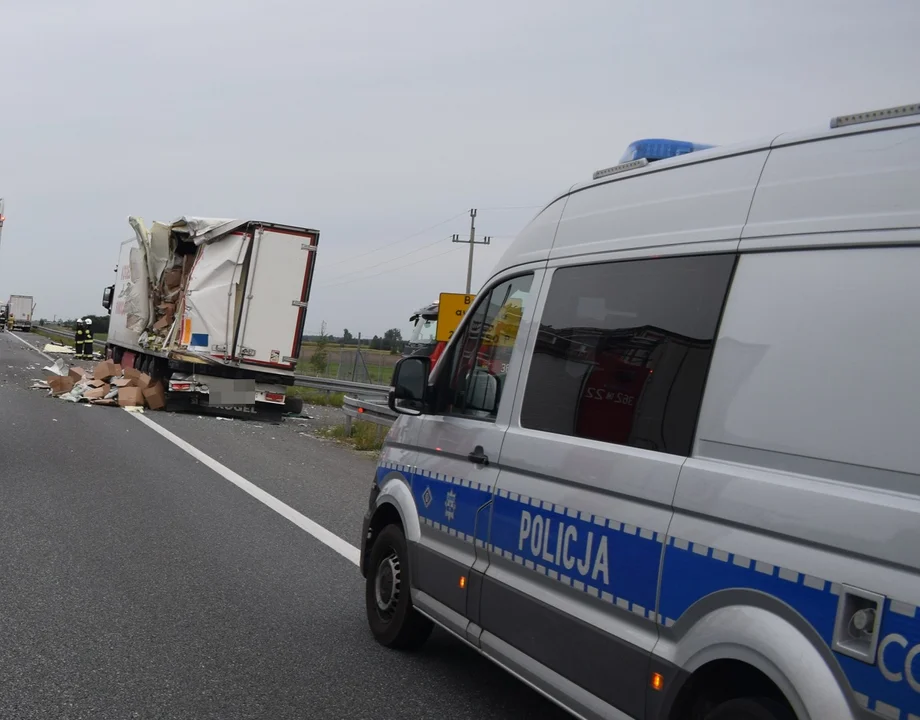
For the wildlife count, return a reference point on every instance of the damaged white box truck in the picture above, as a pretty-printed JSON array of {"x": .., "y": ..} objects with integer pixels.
[{"x": 215, "y": 308}]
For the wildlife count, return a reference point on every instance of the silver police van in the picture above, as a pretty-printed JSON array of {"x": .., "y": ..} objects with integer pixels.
[{"x": 669, "y": 465}]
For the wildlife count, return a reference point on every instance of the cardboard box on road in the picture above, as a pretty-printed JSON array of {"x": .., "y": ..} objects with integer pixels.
[
  {"x": 144, "y": 381},
  {"x": 132, "y": 373},
  {"x": 130, "y": 397},
  {"x": 97, "y": 393},
  {"x": 124, "y": 382},
  {"x": 106, "y": 369},
  {"x": 78, "y": 374},
  {"x": 155, "y": 395},
  {"x": 59, "y": 385}
]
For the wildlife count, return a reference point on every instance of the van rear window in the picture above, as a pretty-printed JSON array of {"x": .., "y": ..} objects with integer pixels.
[{"x": 623, "y": 350}]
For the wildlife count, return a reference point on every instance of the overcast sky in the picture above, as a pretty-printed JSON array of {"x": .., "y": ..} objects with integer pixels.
[{"x": 371, "y": 120}]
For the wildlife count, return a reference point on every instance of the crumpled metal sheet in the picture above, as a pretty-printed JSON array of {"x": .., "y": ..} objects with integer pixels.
[{"x": 202, "y": 230}]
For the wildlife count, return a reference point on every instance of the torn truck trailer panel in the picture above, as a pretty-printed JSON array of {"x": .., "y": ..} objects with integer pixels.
[
  {"x": 219, "y": 297},
  {"x": 136, "y": 293},
  {"x": 203, "y": 230},
  {"x": 158, "y": 251},
  {"x": 212, "y": 298}
]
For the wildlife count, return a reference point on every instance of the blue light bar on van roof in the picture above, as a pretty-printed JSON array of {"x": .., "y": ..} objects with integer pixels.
[{"x": 652, "y": 149}]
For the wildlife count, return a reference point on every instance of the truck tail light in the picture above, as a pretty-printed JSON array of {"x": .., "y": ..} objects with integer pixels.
[
  {"x": 274, "y": 397},
  {"x": 180, "y": 386}
]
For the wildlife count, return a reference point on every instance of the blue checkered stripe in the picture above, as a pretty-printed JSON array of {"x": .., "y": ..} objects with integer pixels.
[
  {"x": 445, "y": 503},
  {"x": 624, "y": 573},
  {"x": 690, "y": 572}
]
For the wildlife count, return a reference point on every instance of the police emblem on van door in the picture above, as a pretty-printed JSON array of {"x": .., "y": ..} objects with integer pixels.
[
  {"x": 450, "y": 505},
  {"x": 426, "y": 497}
]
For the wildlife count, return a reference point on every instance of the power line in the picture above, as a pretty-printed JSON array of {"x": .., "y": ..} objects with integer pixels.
[
  {"x": 407, "y": 265},
  {"x": 427, "y": 229},
  {"x": 397, "y": 242},
  {"x": 385, "y": 262},
  {"x": 513, "y": 207}
]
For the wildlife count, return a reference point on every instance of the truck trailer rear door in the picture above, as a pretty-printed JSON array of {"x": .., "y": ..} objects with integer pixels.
[{"x": 275, "y": 301}]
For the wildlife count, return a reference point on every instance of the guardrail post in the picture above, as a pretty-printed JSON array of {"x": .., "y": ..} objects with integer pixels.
[{"x": 348, "y": 426}]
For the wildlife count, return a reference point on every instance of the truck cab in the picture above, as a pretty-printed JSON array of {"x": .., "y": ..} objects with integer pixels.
[{"x": 423, "y": 338}]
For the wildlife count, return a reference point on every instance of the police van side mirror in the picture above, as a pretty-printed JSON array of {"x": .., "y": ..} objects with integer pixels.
[{"x": 410, "y": 385}]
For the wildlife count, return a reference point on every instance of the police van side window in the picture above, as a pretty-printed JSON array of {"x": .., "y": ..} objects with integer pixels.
[
  {"x": 623, "y": 350},
  {"x": 480, "y": 359}
]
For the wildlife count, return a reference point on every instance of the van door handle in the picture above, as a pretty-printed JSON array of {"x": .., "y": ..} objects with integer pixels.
[{"x": 478, "y": 456}]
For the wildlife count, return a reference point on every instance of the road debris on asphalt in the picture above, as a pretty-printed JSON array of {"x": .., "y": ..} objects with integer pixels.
[
  {"x": 57, "y": 368},
  {"x": 107, "y": 384},
  {"x": 57, "y": 349}
]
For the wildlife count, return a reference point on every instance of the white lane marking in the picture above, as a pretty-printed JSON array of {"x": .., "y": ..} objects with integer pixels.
[
  {"x": 30, "y": 345},
  {"x": 346, "y": 550}
]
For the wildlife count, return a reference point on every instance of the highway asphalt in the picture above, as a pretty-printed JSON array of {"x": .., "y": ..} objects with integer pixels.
[{"x": 137, "y": 582}]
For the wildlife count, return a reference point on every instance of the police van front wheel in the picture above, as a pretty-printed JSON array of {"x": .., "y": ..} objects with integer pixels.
[
  {"x": 750, "y": 709},
  {"x": 393, "y": 621}
]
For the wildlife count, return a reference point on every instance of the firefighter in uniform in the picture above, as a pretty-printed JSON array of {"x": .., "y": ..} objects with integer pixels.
[
  {"x": 78, "y": 339},
  {"x": 87, "y": 339}
]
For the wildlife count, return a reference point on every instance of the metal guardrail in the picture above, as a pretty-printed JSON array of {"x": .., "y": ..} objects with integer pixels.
[
  {"x": 342, "y": 386},
  {"x": 368, "y": 411},
  {"x": 39, "y": 329},
  {"x": 317, "y": 383}
]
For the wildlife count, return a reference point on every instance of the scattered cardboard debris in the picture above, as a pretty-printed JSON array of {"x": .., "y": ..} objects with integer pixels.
[
  {"x": 57, "y": 368},
  {"x": 60, "y": 385},
  {"x": 97, "y": 390},
  {"x": 155, "y": 396},
  {"x": 130, "y": 397},
  {"x": 56, "y": 349},
  {"x": 108, "y": 384}
]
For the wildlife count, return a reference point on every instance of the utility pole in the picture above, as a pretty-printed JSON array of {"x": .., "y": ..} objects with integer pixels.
[{"x": 472, "y": 241}]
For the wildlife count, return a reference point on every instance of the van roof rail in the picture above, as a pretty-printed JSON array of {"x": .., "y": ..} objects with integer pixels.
[{"x": 872, "y": 115}]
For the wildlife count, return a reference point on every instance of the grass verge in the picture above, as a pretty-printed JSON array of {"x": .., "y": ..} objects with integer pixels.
[
  {"x": 38, "y": 330},
  {"x": 363, "y": 435},
  {"x": 317, "y": 397}
]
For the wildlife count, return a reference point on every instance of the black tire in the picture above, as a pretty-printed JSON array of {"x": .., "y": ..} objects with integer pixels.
[
  {"x": 398, "y": 625},
  {"x": 750, "y": 709},
  {"x": 293, "y": 405}
]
